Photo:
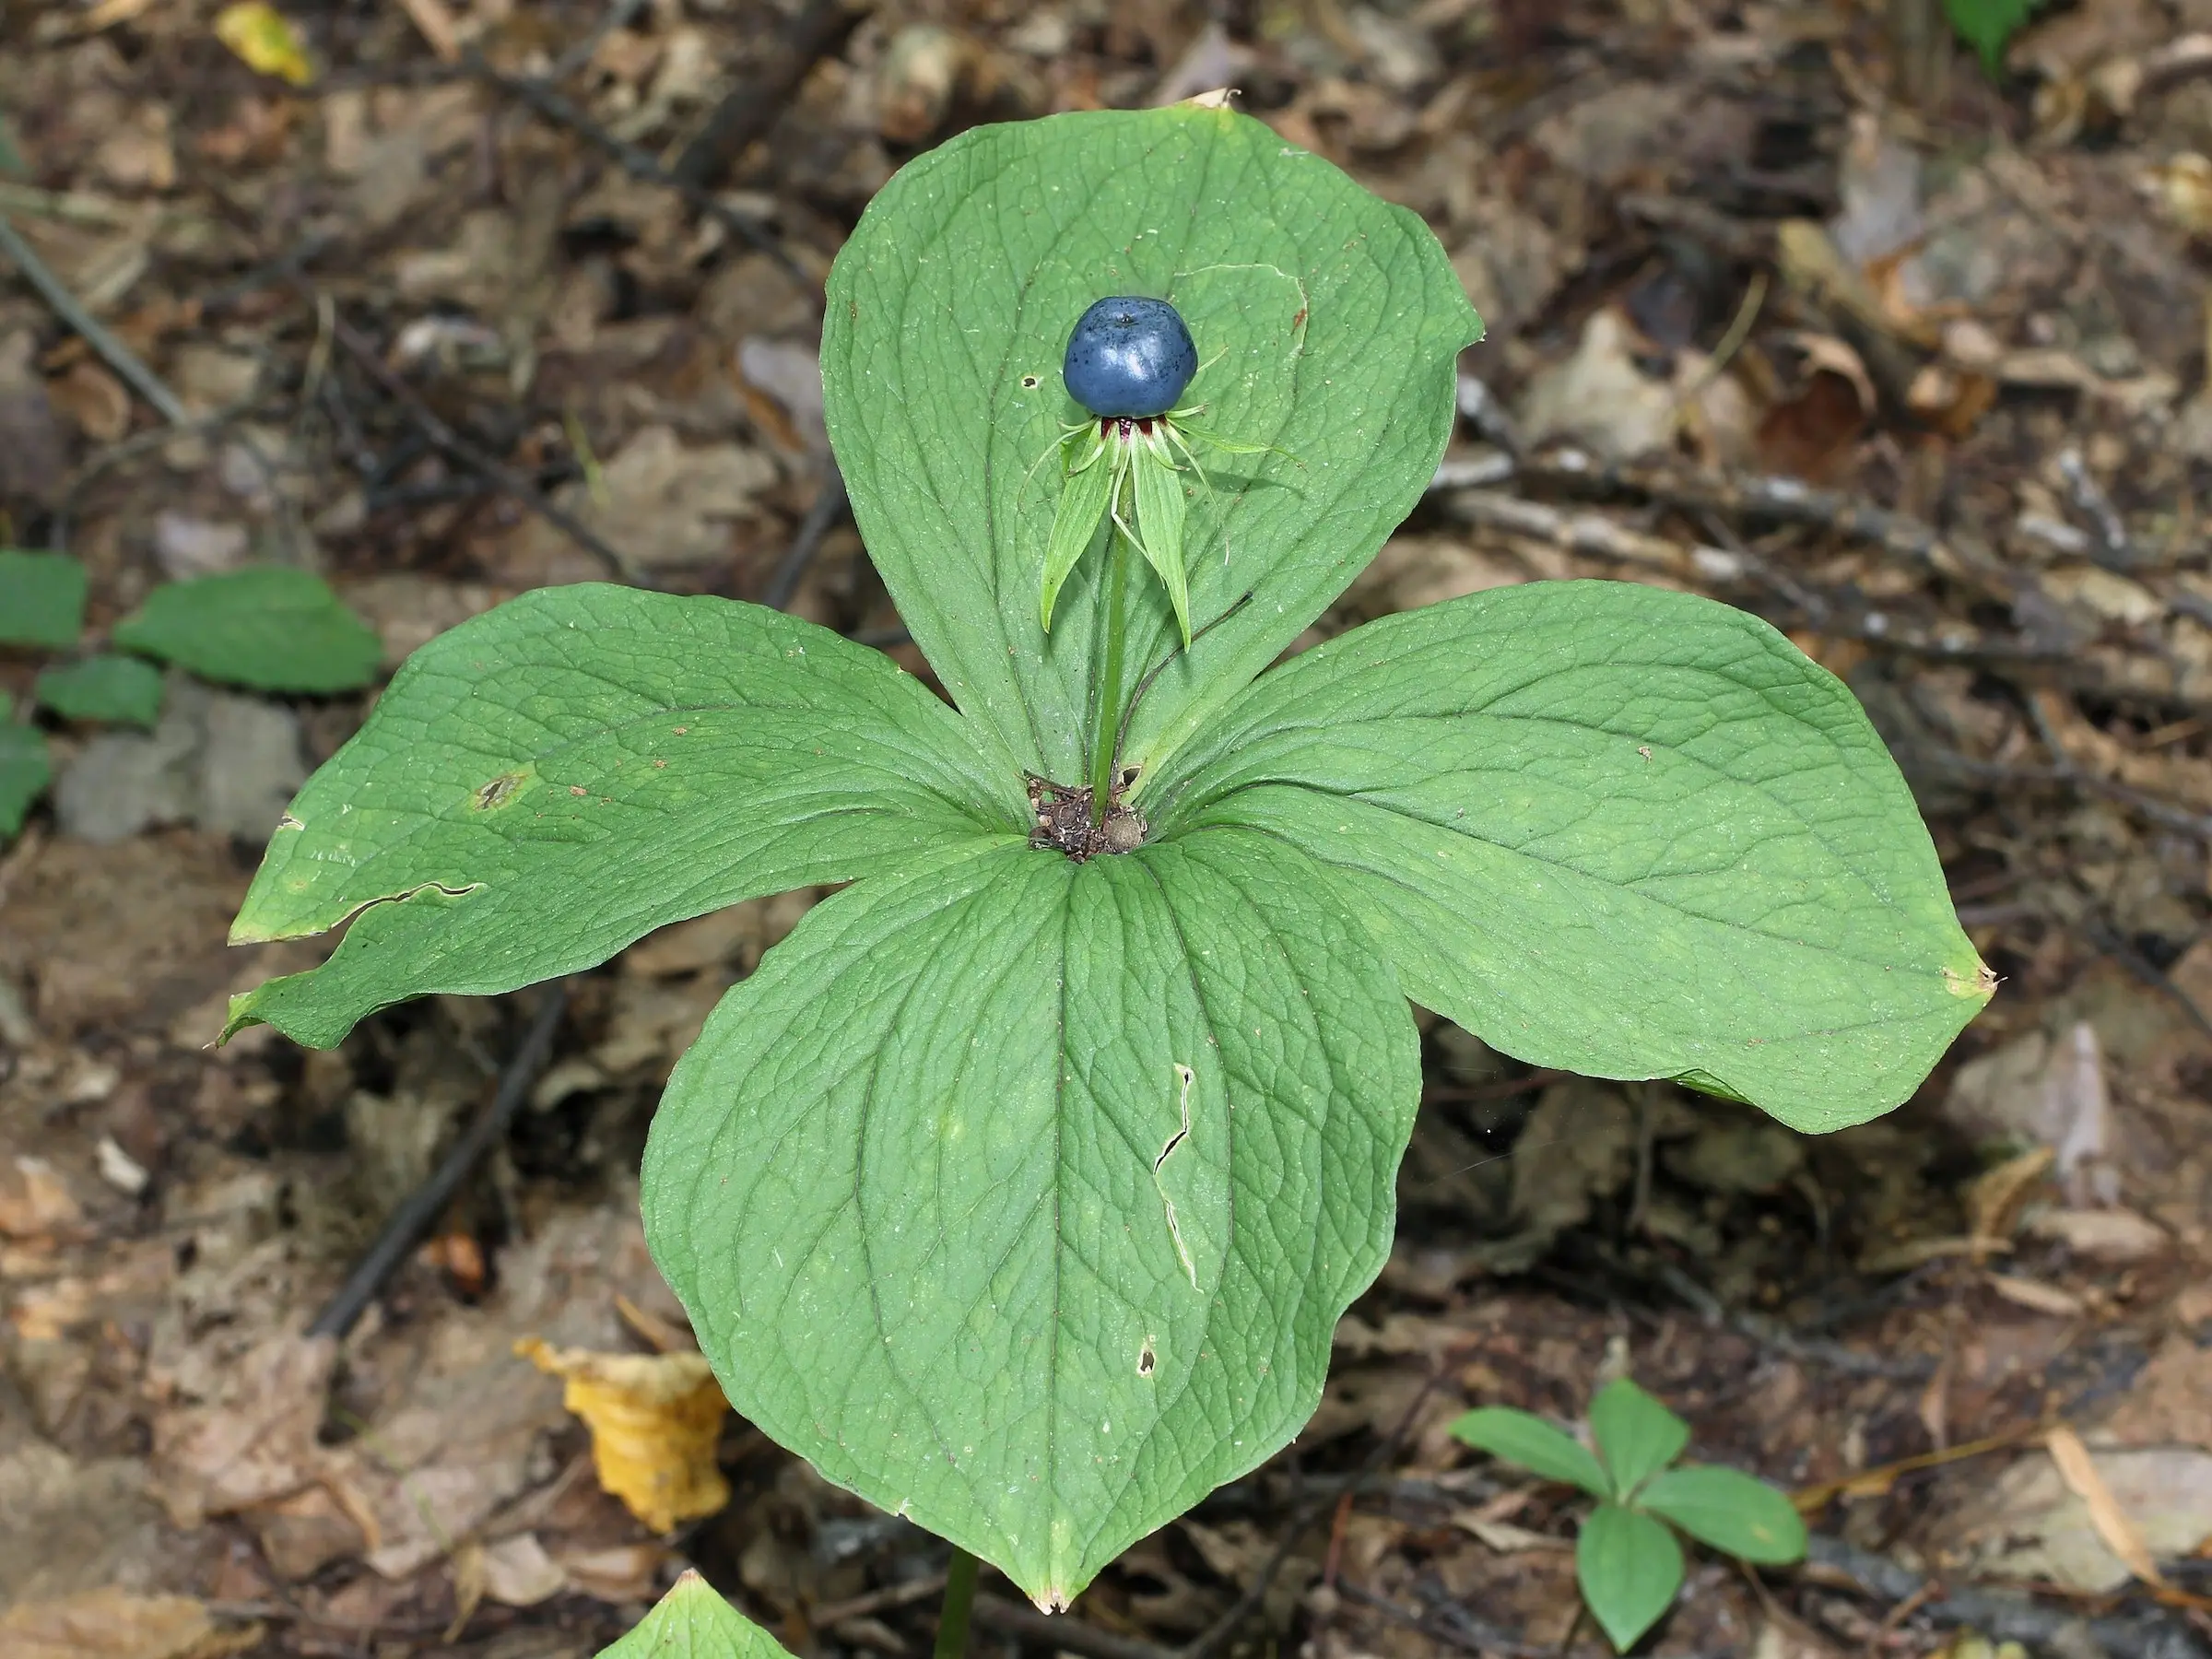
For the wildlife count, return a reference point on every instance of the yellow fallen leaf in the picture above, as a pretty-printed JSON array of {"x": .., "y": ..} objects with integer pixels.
[
  {"x": 2079, "y": 1471},
  {"x": 265, "y": 42},
  {"x": 654, "y": 1419}
]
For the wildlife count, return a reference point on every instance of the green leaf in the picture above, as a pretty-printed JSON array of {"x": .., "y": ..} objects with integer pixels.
[
  {"x": 1522, "y": 1437},
  {"x": 1160, "y": 512},
  {"x": 550, "y": 780},
  {"x": 41, "y": 598},
  {"x": 1623, "y": 831},
  {"x": 271, "y": 629},
  {"x": 692, "y": 1622},
  {"x": 24, "y": 767},
  {"x": 1636, "y": 1435},
  {"x": 1987, "y": 26},
  {"x": 1327, "y": 323},
  {"x": 125, "y": 690},
  {"x": 1084, "y": 497},
  {"x": 1022, "y": 1196},
  {"x": 1732, "y": 1512},
  {"x": 1630, "y": 1568}
]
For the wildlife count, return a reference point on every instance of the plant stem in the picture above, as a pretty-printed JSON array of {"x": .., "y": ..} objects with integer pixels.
[
  {"x": 960, "y": 1595},
  {"x": 1109, "y": 692}
]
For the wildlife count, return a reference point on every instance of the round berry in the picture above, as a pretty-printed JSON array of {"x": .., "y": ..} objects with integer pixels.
[{"x": 1129, "y": 357}]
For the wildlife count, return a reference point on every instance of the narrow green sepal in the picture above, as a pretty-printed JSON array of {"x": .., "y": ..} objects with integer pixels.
[
  {"x": 1083, "y": 505},
  {"x": 1160, "y": 512}
]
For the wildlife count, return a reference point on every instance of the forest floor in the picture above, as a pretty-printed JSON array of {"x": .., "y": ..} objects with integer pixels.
[{"x": 1922, "y": 380}]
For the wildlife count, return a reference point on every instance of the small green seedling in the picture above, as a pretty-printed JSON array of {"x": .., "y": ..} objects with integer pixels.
[
  {"x": 1988, "y": 27},
  {"x": 1625, "y": 1558},
  {"x": 268, "y": 630},
  {"x": 1022, "y": 1188}
]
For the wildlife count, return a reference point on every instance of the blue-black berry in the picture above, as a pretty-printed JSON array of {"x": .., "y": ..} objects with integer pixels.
[{"x": 1129, "y": 357}]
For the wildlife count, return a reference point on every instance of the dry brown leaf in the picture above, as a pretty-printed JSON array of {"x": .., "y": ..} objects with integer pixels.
[
  {"x": 257, "y": 1443},
  {"x": 2078, "y": 1470},
  {"x": 1994, "y": 1197},
  {"x": 114, "y": 1624},
  {"x": 35, "y": 1202},
  {"x": 654, "y": 1419},
  {"x": 2036, "y": 1296}
]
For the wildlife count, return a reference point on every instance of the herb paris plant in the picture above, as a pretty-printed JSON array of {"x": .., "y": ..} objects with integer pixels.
[
  {"x": 1627, "y": 1561},
  {"x": 1021, "y": 1191}
]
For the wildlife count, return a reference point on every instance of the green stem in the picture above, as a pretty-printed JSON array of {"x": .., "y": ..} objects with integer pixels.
[
  {"x": 960, "y": 1595},
  {"x": 1110, "y": 691}
]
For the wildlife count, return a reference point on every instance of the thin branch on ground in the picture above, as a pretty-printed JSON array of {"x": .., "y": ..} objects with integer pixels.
[
  {"x": 2003, "y": 1617},
  {"x": 429, "y": 423},
  {"x": 750, "y": 107},
  {"x": 1060, "y": 1632},
  {"x": 1773, "y": 1337},
  {"x": 112, "y": 350},
  {"x": 615, "y": 16},
  {"x": 829, "y": 506},
  {"x": 642, "y": 166},
  {"x": 1216, "y": 1635},
  {"x": 422, "y": 1207},
  {"x": 1448, "y": 1623}
]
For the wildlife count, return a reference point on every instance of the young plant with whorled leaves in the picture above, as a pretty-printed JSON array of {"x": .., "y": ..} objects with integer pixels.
[{"x": 1021, "y": 1187}]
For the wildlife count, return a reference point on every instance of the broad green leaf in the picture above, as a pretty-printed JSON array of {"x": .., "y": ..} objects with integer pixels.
[
  {"x": 1628, "y": 833},
  {"x": 1636, "y": 1436},
  {"x": 41, "y": 598},
  {"x": 1630, "y": 1568},
  {"x": 1160, "y": 513},
  {"x": 1022, "y": 1196},
  {"x": 550, "y": 780},
  {"x": 271, "y": 629},
  {"x": 122, "y": 690},
  {"x": 692, "y": 1622},
  {"x": 1327, "y": 323},
  {"x": 1732, "y": 1512},
  {"x": 24, "y": 767},
  {"x": 1522, "y": 1437}
]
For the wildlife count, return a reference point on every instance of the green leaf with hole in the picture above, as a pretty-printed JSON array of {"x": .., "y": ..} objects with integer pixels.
[
  {"x": 1327, "y": 323},
  {"x": 1636, "y": 1436},
  {"x": 692, "y": 1622},
  {"x": 1623, "y": 831},
  {"x": 1732, "y": 1512},
  {"x": 25, "y": 770},
  {"x": 270, "y": 628},
  {"x": 1025, "y": 1196},
  {"x": 122, "y": 690},
  {"x": 550, "y": 780},
  {"x": 41, "y": 598},
  {"x": 1630, "y": 1568},
  {"x": 1520, "y": 1437}
]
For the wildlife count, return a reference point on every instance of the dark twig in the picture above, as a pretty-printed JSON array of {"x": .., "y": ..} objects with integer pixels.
[
  {"x": 640, "y": 165},
  {"x": 829, "y": 506},
  {"x": 67, "y": 306},
  {"x": 429, "y": 423},
  {"x": 422, "y": 1205},
  {"x": 750, "y": 107},
  {"x": 1059, "y": 1632},
  {"x": 617, "y": 16},
  {"x": 2114, "y": 549},
  {"x": 1765, "y": 1332},
  {"x": 1217, "y": 1634},
  {"x": 1447, "y": 1623},
  {"x": 2007, "y": 1617}
]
